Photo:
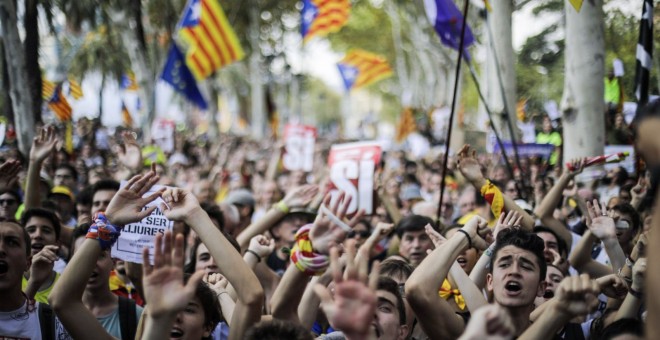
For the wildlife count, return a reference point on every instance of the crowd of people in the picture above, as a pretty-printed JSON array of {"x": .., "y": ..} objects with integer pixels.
[{"x": 259, "y": 252}]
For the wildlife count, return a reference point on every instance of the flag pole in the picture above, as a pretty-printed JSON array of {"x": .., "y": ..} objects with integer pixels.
[{"x": 453, "y": 109}]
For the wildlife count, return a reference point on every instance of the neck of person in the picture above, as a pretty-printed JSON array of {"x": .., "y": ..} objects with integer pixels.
[
  {"x": 520, "y": 317},
  {"x": 99, "y": 301},
  {"x": 12, "y": 299}
]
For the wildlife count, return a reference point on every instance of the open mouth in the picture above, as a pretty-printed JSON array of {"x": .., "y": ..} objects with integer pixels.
[
  {"x": 4, "y": 267},
  {"x": 513, "y": 286},
  {"x": 375, "y": 326},
  {"x": 37, "y": 247},
  {"x": 176, "y": 333},
  {"x": 462, "y": 261},
  {"x": 548, "y": 294}
]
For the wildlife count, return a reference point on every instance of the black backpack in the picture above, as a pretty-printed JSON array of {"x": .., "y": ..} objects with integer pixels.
[{"x": 127, "y": 320}]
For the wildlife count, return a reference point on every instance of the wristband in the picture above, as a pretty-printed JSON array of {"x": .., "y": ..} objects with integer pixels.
[
  {"x": 303, "y": 255},
  {"x": 466, "y": 235},
  {"x": 103, "y": 231},
  {"x": 281, "y": 206},
  {"x": 250, "y": 251}
]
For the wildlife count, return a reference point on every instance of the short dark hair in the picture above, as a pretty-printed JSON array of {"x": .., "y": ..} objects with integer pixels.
[
  {"x": 105, "y": 184},
  {"x": 561, "y": 244},
  {"x": 26, "y": 236},
  {"x": 85, "y": 196},
  {"x": 43, "y": 213},
  {"x": 276, "y": 329},
  {"x": 621, "y": 327},
  {"x": 390, "y": 286},
  {"x": 190, "y": 266},
  {"x": 413, "y": 223},
  {"x": 522, "y": 239},
  {"x": 627, "y": 209},
  {"x": 13, "y": 193},
  {"x": 72, "y": 170},
  {"x": 395, "y": 267}
]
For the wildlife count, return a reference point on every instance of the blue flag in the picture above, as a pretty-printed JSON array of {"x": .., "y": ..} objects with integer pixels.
[
  {"x": 177, "y": 74},
  {"x": 447, "y": 20}
]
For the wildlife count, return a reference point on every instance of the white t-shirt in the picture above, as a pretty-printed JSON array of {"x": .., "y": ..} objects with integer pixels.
[{"x": 23, "y": 324}]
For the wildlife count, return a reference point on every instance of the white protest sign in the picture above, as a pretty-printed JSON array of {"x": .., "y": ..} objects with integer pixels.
[
  {"x": 162, "y": 131},
  {"x": 136, "y": 236},
  {"x": 299, "y": 147},
  {"x": 352, "y": 168}
]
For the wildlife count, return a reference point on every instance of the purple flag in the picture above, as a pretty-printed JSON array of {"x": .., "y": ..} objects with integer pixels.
[{"x": 448, "y": 21}]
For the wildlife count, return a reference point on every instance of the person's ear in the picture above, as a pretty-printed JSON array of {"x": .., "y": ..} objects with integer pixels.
[
  {"x": 207, "y": 331},
  {"x": 541, "y": 289},
  {"x": 489, "y": 282},
  {"x": 403, "y": 332}
]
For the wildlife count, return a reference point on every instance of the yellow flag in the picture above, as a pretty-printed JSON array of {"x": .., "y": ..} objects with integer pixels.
[{"x": 577, "y": 4}]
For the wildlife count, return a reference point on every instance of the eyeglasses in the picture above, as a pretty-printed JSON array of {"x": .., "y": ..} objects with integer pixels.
[
  {"x": 362, "y": 233},
  {"x": 7, "y": 202}
]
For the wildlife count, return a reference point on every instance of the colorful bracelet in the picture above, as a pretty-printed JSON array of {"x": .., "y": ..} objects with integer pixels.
[
  {"x": 281, "y": 206},
  {"x": 304, "y": 257},
  {"x": 102, "y": 230}
]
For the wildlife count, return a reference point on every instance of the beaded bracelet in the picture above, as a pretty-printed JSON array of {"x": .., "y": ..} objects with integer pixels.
[
  {"x": 104, "y": 231},
  {"x": 303, "y": 255}
]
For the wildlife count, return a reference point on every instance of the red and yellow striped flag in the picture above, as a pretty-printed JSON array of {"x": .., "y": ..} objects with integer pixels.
[
  {"x": 406, "y": 125},
  {"x": 47, "y": 88},
  {"x": 59, "y": 105},
  {"x": 360, "y": 68},
  {"x": 208, "y": 39},
  {"x": 321, "y": 17},
  {"x": 74, "y": 88}
]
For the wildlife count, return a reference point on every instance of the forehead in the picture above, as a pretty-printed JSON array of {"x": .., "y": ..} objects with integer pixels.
[
  {"x": 36, "y": 220},
  {"x": 202, "y": 249},
  {"x": 387, "y": 296},
  {"x": 546, "y": 236},
  {"x": 515, "y": 252},
  {"x": 554, "y": 271},
  {"x": 103, "y": 194},
  {"x": 418, "y": 233},
  {"x": 11, "y": 229}
]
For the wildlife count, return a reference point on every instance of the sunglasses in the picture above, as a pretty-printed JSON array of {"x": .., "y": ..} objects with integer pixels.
[
  {"x": 7, "y": 202},
  {"x": 362, "y": 233}
]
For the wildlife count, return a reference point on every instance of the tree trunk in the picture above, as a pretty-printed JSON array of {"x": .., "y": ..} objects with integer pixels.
[
  {"x": 7, "y": 109},
  {"x": 582, "y": 103},
  {"x": 499, "y": 24},
  {"x": 31, "y": 43},
  {"x": 258, "y": 121},
  {"x": 19, "y": 89}
]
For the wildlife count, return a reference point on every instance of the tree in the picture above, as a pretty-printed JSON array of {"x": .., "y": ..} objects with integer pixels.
[
  {"x": 19, "y": 88},
  {"x": 582, "y": 103}
]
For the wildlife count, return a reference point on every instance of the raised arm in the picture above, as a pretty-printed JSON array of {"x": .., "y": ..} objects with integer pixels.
[
  {"x": 296, "y": 198},
  {"x": 66, "y": 297},
  {"x": 324, "y": 233},
  {"x": 42, "y": 146},
  {"x": 129, "y": 156},
  {"x": 181, "y": 205},
  {"x": 434, "y": 314},
  {"x": 635, "y": 298},
  {"x": 581, "y": 260},
  {"x": 471, "y": 170}
]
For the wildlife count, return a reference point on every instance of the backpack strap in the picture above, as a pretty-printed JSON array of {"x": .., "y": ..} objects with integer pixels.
[
  {"x": 46, "y": 321},
  {"x": 127, "y": 318}
]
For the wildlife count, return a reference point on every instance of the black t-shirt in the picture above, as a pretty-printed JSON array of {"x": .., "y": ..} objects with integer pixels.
[{"x": 276, "y": 264}]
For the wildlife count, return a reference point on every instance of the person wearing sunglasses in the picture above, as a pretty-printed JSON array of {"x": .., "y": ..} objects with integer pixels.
[{"x": 9, "y": 202}]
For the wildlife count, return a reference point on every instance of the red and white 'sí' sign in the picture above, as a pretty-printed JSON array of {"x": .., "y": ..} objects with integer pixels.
[
  {"x": 299, "y": 147},
  {"x": 352, "y": 168}
]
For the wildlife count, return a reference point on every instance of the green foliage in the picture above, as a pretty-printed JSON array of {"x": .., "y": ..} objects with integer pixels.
[{"x": 102, "y": 51}]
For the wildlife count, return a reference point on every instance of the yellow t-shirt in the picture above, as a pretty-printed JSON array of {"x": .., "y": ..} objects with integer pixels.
[{"x": 42, "y": 295}]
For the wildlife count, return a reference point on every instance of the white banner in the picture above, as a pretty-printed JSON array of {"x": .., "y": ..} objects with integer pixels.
[
  {"x": 299, "y": 147},
  {"x": 136, "y": 236},
  {"x": 352, "y": 168}
]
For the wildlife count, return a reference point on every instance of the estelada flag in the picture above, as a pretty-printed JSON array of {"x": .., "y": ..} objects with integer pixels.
[
  {"x": 207, "y": 38},
  {"x": 321, "y": 17},
  {"x": 59, "y": 105},
  {"x": 360, "y": 68}
]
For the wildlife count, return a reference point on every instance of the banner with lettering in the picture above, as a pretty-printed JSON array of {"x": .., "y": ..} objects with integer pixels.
[
  {"x": 299, "y": 143},
  {"x": 136, "y": 236},
  {"x": 352, "y": 168}
]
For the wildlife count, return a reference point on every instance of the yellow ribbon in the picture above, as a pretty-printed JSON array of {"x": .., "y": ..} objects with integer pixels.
[
  {"x": 446, "y": 292},
  {"x": 493, "y": 195}
]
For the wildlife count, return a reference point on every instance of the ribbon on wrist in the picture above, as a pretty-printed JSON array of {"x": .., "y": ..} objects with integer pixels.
[
  {"x": 103, "y": 231},
  {"x": 303, "y": 255}
]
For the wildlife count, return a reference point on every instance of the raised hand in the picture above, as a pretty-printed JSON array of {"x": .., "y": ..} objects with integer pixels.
[
  {"x": 575, "y": 166},
  {"x": 577, "y": 295},
  {"x": 602, "y": 225},
  {"x": 327, "y": 232},
  {"x": 508, "y": 220},
  {"x": 490, "y": 322},
  {"x": 217, "y": 282},
  {"x": 129, "y": 153},
  {"x": 163, "y": 282},
  {"x": 638, "y": 192},
  {"x": 435, "y": 236},
  {"x": 381, "y": 231},
  {"x": 9, "y": 174},
  {"x": 127, "y": 204},
  {"x": 468, "y": 164},
  {"x": 300, "y": 196},
  {"x": 261, "y": 245},
  {"x": 43, "y": 144},
  {"x": 179, "y": 204},
  {"x": 472, "y": 227},
  {"x": 42, "y": 264},
  {"x": 639, "y": 272},
  {"x": 354, "y": 305},
  {"x": 612, "y": 286}
]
